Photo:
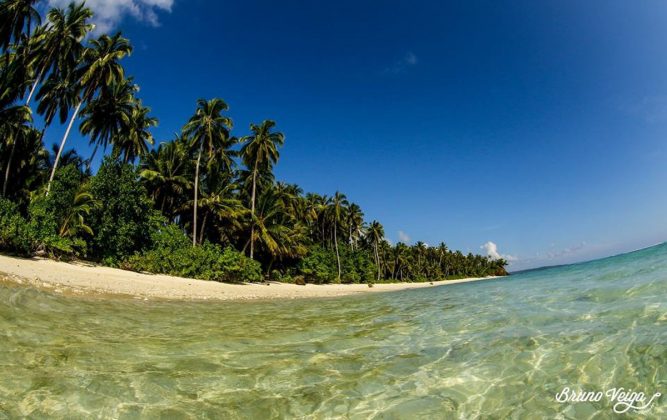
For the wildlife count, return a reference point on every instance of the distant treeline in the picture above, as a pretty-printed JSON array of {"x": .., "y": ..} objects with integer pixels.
[{"x": 204, "y": 204}]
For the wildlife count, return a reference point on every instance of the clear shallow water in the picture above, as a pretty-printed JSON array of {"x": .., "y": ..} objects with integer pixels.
[{"x": 495, "y": 349}]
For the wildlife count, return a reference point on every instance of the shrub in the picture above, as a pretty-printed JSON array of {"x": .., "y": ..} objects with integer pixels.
[
  {"x": 13, "y": 229},
  {"x": 320, "y": 266},
  {"x": 46, "y": 215},
  {"x": 121, "y": 221},
  {"x": 40, "y": 232},
  {"x": 357, "y": 266},
  {"x": 172, "y": 253}
]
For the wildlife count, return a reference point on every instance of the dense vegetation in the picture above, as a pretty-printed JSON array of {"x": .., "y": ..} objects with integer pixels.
[{"x": 204, "y": 204}]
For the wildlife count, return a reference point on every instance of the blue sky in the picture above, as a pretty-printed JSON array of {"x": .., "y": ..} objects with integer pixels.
[{"x": 538, "y": 126}]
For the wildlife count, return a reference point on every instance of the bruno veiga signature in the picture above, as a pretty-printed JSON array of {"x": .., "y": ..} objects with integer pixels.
[{"x": 623, "y": 399}]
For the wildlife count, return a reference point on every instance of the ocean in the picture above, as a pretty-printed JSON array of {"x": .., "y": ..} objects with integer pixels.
[{"x": 504, "y": 348}]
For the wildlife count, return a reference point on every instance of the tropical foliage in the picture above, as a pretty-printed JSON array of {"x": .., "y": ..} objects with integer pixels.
[{"x": 205, "y": 204}]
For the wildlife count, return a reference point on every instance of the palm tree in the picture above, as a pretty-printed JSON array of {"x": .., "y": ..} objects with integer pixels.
[
  {"x": 260, "y": 152},
  {"x": 16, "y": 18},
  {"x": 14, "y": 128},
  {"x": 12, "y": 79},
  {"x": 108, "y": 115},
  {"x": 337, "y": 205},
  {"x": 400, "y": 252},
  {"x": 442, "y": 257},
  {"x": 208, "y": 129},
  {"x": 57, "y": 96},
  {"x": 134, "y": 139},
  {"x": 166, "y": 173},
  {"x": 29, "y": 166},
  {"x": 355, "y": 222},
  {"x": 219, "y": 201},
  {"x": 100, "y": 67},
  {"x": 277, "y": 233},
  {"x": 375, "y": 234}
]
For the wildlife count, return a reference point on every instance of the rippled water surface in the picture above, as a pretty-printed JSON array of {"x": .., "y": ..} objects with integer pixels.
[{"x": 495, "y": 349}]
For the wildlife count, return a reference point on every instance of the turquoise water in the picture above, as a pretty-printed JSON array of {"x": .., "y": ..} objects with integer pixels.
[{"x": 496, "y": 349}]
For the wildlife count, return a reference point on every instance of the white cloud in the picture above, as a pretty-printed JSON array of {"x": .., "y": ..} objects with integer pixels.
[
  {"x": 492, "y": 251},
  {"x": 108, "y": 13},
  {"x": 403, "y": 237},
  {"x": 401, "y": 65}
]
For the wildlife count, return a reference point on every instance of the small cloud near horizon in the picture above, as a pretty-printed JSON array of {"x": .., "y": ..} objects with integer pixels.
[
  {"x": 109, "y": 13},
  {"x": 491, "y": 250},
  {"x": 403, "y": 237},
  {"x": 401, "y": 65}
]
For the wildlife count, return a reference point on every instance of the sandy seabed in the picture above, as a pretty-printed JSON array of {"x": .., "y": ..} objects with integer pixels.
[{"x": 87, "y": 278}]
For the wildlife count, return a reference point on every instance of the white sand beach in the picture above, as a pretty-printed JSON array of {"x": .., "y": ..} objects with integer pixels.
[{"x": 86, "y": 278}]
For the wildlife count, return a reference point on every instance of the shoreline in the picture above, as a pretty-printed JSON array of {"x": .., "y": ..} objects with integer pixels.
[{"x": 83, "y": 278}]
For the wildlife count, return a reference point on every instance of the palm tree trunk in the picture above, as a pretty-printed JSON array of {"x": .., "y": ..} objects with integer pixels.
[
  {"x": 62, "y": 146},
  {"x": 194, "y": 216},
  {"x": 268, "y": 270},
  {"x": 34, "y": 87},
  {"x": 323, "y": 234},
  {"x": 336, "y": 245},
  {"x": 203, "y": 226},
  {"x": 89, "y": 162},
  {"x": 252, "y": 211},
  {"x": 7, "y": 170},
  {"x": 377, "y": 259}
]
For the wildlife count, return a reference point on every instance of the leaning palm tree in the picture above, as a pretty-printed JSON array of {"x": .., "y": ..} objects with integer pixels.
[
  {"x": 133, "y": 141},
  {"x": 260, "y": 152},
  {"x": 100, "y": 67},
  {"x": 16, "y": 18},
  {"x": 337, "y": 205},
  {"x": 209, "y": 131},
  {"x": 375, "y": 235}
]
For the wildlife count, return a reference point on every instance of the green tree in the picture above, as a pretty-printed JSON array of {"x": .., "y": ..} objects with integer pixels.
[{"x": 121, "y": 221}]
